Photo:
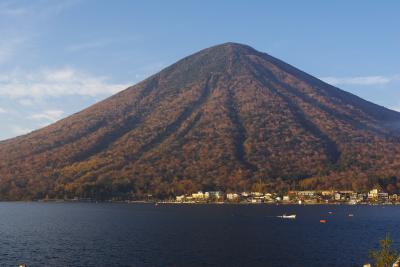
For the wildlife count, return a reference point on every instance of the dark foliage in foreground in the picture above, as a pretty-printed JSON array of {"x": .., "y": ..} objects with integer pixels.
[{"x": 385, "y": 256}]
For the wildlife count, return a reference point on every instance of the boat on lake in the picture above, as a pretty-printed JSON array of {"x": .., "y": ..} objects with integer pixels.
[{"x": 291, "y": 216}]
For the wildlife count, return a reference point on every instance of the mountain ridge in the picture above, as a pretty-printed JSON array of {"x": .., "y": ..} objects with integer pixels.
[{"x": 227, "y": 117}]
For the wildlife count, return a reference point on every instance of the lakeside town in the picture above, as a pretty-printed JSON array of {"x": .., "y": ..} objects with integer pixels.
[
  {"x": 374, "y": 196},
  {"x": 302, "y": 197}
]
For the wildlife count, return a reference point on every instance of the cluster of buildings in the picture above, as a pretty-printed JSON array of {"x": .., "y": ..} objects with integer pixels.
[
  {"x": 219, "y": 196},
  {"x": 344, "y": 196},
  {"x": 292, "y": 197},
  {"x": 211, "y": 196}
]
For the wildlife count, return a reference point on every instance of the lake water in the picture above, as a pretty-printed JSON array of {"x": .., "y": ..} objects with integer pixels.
[{"x": 89, "y": 234}]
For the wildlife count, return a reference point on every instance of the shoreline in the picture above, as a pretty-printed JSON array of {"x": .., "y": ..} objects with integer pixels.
[{"x": 194, "y": 203}]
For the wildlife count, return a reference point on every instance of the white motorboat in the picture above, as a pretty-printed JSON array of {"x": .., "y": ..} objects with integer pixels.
[{"x": 291, "y": 216}]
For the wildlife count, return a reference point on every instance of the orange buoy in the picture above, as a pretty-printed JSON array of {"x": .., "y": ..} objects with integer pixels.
[{"x": 322, "y": 221}]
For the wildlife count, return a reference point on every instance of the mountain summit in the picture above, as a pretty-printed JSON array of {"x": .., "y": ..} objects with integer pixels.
[{"x": 228, "y": 118}]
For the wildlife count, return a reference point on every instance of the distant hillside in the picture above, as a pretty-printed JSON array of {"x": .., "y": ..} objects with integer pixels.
[{"x": 227, "y": 117}]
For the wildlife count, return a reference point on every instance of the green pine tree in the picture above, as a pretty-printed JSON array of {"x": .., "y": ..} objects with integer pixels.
[{"x": 386, "y": 255}]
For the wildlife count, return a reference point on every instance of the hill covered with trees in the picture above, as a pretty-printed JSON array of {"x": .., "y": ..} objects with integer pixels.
[{"x": 228, "y": 118}]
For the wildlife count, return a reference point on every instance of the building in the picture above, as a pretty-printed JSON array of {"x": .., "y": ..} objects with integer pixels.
[
  {"x": 378, "y": 195},
  {"x": 327, "y": 193},
  {"x": 268, "y": 196},
  {"x": 180, "y": 198},
  {"x": 305, "y": 193},
  {"x": 232, "y": 196},
  {"x": 257, "y": 194},
  {"x": 245, "y": 194},
  {"x": 200, "y": 196},
  {"x": 255, "y": 200},
  {"x": 362, "y": 197},
  {"x": 347, "y": 195},
  {"x": 382, "y": 196},
  {"x": 373, "y": 194},
  {"x": 215, "y": 195}
]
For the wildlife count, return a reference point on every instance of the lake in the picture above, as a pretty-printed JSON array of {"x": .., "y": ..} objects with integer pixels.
[{"x": 90, "y": 234}]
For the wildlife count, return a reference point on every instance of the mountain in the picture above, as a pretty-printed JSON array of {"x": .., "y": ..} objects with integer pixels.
[{"x": 228, "y": 118}]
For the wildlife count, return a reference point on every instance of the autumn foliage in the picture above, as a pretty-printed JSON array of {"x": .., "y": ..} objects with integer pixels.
[{"x": 227, "y": 118}]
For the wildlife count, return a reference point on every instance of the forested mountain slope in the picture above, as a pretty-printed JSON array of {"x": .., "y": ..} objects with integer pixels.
[{"x": 227, "y": 117}]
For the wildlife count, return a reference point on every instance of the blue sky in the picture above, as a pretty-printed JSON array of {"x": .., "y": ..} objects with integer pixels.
[{"x": 58, "y": 57}]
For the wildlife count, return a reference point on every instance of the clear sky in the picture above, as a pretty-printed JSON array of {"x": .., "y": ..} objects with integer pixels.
[{"x": 58, "y": 57}]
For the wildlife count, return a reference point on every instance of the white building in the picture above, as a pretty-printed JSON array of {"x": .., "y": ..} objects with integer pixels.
[
  {"x": 180, "y": 198},
  {"x": 232, "y": 196},
  {"x": 373, "y": 194},
  {"x": 306, "y": 193},
  {"x": 200, "y": 195},
  {"x": 245, "y": 194}
]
